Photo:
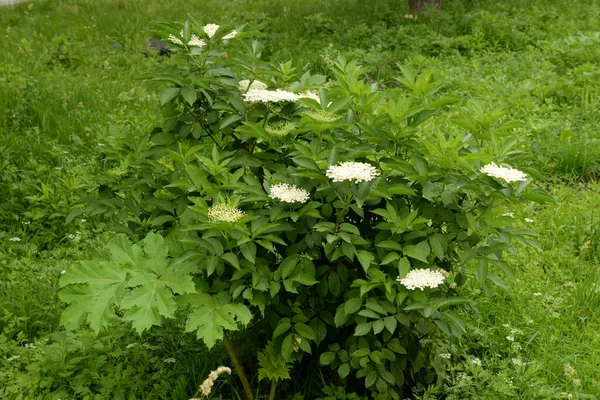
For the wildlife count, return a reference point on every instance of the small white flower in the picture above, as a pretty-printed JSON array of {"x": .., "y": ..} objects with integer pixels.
[
  {"x": 15, "y": 239},
  {"x": 196, "y": 41},
  {"x": 268, "y": 96},
  {"x": 422, "y": 278},
  {"x": 224, "y": 213},
  {"x": 517, "y": 362},
  {"x": 288, "y": 193},
  {"x": 569, "y": 370},
  {"x": 30, "y": 345},
  {"x": 211, "y": 29},
  {"x": 510, "y": 338},
  {"x": 447, "y": 356},
  {"x": 477, "y": 361},
  {"x": 309, "y": 94},
  {"x": 230, "y": 35},
  {"x": 256, "y": 84},
  {"x": 131, "y": 345},
  {"x": 576, "y": 382},
  {"x": 537, "y": 294},
  {"x": 352, "y": 171},
  {"x": 528, "y": 220},
  {"x": 509, "y": 214},
  {"x": 175, "y": 39},
  {"x": 83, "y": 220},
  {"x": 13, "y": 358},
  {"x": 505, "y": 173},
  {"x": 169, "y": 360},
  {"x": 63, "y": 272}
]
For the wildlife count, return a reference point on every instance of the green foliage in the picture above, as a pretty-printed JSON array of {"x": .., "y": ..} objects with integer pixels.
[{"x": 322, "y": 273}]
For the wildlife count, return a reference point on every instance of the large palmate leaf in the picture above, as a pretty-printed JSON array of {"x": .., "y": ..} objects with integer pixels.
[
  {"x": 142, "y": 281},
  {"x": 209, "y": 318}
]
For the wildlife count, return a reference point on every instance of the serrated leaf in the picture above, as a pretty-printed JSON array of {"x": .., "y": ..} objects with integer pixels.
[
  {"x": 208, "y": 318},
  {"x": 92, "y": 292}
]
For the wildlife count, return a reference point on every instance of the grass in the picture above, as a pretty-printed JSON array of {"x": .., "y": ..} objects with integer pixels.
[{"x": 66, "y": 88}]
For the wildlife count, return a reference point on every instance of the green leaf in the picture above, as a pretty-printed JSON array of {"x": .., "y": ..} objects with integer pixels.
[
  {"x": 438, "y": 245},
  {"x": 305, "y": 331},
  {"x": 229, "y": 120},
  {"x": 327, "y": 358},
  {"x": 395, "y": 346},
  {"x": 231, "y": 259},
  {"x": 344, "y": 370},
  {"x": 208, "y": 318},
  {"x": 415, "y": 252},
  {"x": 363, "y": 329},
  {"x": 306, "y": 162},
  {"x": 390, "y": 324},
  {"x": 371, "y": 378},
  {"x": 249, "y": 251},
  {"x": 287, "y": 347},
  {"x": 305, "y": 279},
  {"x": 281, "y": 329},
  {"x": 365, "y": 258},
  {"x": 352, "y": 305},
  {"x": 361, "y": 352},
  {"x": 189, "y": 94},
  {"x": 288, "y": 265},
  {"x": 168, "y": 94}
]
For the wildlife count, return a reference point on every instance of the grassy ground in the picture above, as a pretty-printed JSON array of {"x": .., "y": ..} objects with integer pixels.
[{"x": 66, "y": 89}]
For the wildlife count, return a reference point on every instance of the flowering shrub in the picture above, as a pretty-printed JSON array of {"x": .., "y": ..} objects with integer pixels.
[{"x": 325, "y": 212}]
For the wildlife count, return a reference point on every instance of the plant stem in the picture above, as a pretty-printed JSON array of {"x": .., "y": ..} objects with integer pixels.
[
  {"x": 238, "y": 367},
  {"x": 272, "y": 392}
]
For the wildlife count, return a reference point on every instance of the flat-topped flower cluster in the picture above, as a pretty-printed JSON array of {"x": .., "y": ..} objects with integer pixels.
[{"x": 422, "y": 278}]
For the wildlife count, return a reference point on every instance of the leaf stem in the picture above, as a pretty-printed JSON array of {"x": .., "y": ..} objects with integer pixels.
[
  {"x": 238, "y": 366},
  {"x": 273, "y": 388}
]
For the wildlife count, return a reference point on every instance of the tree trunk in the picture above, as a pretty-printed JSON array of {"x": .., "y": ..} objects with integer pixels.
[{"x": 418, "y": 6}]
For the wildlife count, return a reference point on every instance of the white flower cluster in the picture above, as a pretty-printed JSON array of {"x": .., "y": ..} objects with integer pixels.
[
  {"x": 170, "y": 360},
  {"x": 208, "y": 383},
  {"x": 422, "y": 278},
  {"x": 194, "y": 40},
  {"x": 256, "y": 85},
  {"x": 211, "y": 29},
  {"x": 268, "y": 96},
  {"x": 15, "y": 239},
  {"x": 352, "y": 171},
  {"x": 224, "y": 213},
  {"x": 506, "y": 173},
  {"x": 288, "y": 193},
  {"x": 309, "y": 94}
]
